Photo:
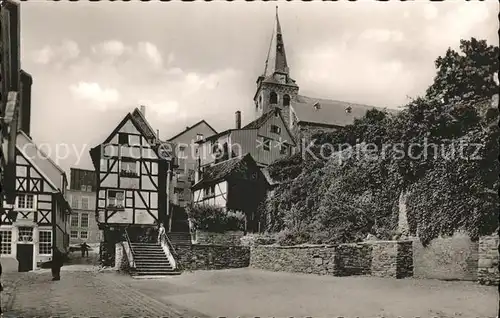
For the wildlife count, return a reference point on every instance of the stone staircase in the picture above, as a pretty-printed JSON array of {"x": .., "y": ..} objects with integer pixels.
[
  {"x": 150, "y": 260},
  {"x": 182, "y": 238}
]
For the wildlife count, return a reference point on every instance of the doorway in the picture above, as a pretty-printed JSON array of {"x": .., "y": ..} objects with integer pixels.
[{"x": 25, "y": 257}]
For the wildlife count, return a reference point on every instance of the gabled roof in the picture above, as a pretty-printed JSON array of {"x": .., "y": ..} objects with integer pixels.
[
  {"x": 53, "y": 183},
  {"x": 143, "y": 124},
  {"x": 259, "y": 122},
  {"x": 219, "y": 171},
  {"x": 329, "y": 112},
  {"x": 189, "y": 128}
]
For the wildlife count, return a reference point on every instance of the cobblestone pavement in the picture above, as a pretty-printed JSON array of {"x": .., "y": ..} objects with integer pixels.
[{"x": 81, "y": 293}]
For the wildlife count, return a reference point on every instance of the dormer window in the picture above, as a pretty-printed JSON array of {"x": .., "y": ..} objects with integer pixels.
[
  {"x": 348, "y": 109},
  {"x": 199, "y": 137},
  {"x": 275, "y": 129},
  {"x": 317, "y": 106}
]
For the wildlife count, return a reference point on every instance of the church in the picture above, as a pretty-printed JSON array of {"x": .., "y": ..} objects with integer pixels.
[
  {"x": 282, "y": 120},
  {"x": 303, "y": 114}
]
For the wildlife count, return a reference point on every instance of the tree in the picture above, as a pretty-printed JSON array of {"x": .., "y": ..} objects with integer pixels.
[{"x": 468, "y": 75}]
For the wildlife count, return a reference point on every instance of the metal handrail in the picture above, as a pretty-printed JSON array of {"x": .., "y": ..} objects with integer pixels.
[
  {"x": 129, "y": 242},
  {"x": 164, "y": 237}
]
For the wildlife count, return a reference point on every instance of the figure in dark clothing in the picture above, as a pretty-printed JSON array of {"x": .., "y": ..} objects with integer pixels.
[
  {"x": 57, "y": 263},
  {"x": 85, "y": 249}
]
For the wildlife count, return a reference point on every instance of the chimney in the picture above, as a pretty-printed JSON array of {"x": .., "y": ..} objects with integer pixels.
[
  {"x": 238, "y": 119},
  {"x": 143, "y": 110}
]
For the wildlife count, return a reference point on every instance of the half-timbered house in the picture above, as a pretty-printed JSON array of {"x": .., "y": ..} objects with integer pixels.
[
  {"x": 131, "y": 165},
  {"x": 236, "y": 184},
  {"x": 37, "y": 223}
]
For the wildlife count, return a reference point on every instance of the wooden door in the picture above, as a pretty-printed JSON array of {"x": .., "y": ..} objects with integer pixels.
[{"x": 25, "y": 257}]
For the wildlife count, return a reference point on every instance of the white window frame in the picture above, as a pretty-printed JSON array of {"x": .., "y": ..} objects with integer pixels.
[
  {"x": 108, "y": 198},
  {"x": 71, "y": 234},
  {"x": 73, "y": 217},
  {"x": 35, "y": 202},
  {"x": 4, "y": 242},
  {"x": 40, "y": 242},
  {"x": 86, "y": 236},
  {"x": 88, "y": 203},
  {"x": 81, "y": 220},
  {"x": 75, "y": 203},
  {"x": 131, "y": 163}
]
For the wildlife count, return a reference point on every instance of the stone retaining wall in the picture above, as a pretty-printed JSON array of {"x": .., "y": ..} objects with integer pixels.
[
  {"x": 353, "y": 259},
  {"x": 298, "y": 259},
  {"x": 488, "y": 260},
  {"x": 392, "y": 259},
  {"x": 230, "y": 238},
  {"x": 449, "y": 258},
  {"x": 197, "y": 256},
  {"x": 384, "y": 259}
]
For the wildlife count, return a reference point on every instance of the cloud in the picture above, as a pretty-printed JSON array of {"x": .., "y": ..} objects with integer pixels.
[
  {"x": 110, "y": 48},
  {"x": 67, "y": 50},
  {"x": 93, "y": 92},
  {"x": 382, "y": 35},
  {"x": 151, "y": 52}
]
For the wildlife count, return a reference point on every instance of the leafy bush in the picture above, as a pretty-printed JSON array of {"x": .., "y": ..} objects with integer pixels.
[{"x": 215, "y": 219}]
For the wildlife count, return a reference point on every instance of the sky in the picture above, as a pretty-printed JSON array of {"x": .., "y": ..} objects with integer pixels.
[{"x": 93, "y": 62}]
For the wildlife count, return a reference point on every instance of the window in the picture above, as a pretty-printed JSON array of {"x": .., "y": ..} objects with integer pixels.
[
  {"x": 6, "y": 236},
  {"x": 84, "y": 221},
  {"x": 74, "y": 234},
  {"x": 89, "y": 188},
  {"x": 74, "y": 221},
  {"x": 116, "y": 198},
  {"x": 273, "y": 98},
  {"x": 26, "y": 202},
  {"x": 267, "y": 144},
  {"x": 128, "y": 168},
  {"x": 83, "y": 187},
  {"x": 25, "y": 234},
  {"x": 284, "y": 149},
  {"x": 74, "y": 202},
  {"x": 85, "y": 203},
  {"x": 84, "y": 235},
  {"x": 210, "y": 191},
  {"x": 45, "y": 242},
  {"x": 275, "y": 129},
  {"x": 286, "y": 100},
  {"x": 122, "y": 139},
  {"x": 199, "y": 137}
]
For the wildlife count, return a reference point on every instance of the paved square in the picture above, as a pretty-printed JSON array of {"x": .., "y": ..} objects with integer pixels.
[
  {"x": 254, "y": 293},
  {"x": 81, "y": 293},
  {"x": 84, "y": 292}
]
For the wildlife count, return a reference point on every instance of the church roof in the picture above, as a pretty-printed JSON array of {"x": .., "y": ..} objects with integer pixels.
[{"x": 329, "y": 112}]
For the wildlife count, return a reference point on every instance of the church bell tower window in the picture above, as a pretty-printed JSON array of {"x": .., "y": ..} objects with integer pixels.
[{"x": 273, "y": 98}]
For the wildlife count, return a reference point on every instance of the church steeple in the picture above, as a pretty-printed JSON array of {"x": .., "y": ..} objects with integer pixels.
[
  {"x": 275, "y": 87},
  {"x": 276, "y": 56}
]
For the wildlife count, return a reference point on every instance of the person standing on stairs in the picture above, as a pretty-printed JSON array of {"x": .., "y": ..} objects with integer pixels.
[{"x": 161, "y": 232}]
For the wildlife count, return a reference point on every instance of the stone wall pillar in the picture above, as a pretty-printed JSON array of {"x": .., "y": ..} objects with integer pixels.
[{"x": 487, "y": 273}]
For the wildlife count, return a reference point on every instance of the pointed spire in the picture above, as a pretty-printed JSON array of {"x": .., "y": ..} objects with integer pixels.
[{"x": 276, "y": 56}]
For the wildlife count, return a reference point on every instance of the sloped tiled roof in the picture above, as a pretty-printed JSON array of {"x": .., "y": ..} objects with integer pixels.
[
  {"x": 330, "y": 112},
  {"x": 256, "y": 124},
  {"x": 221, "y": 170},
  {"x": 191, "y": 127},
  {"x": 143, "y": 124}
]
